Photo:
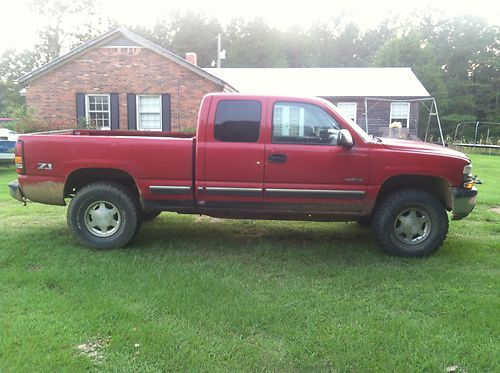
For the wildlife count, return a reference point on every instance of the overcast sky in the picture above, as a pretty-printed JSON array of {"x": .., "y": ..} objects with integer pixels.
[{"x": 18, "y": 26}]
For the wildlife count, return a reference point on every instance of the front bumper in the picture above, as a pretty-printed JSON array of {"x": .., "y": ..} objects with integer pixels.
[
  {"x": 16, "y": 192},
  {"x": 463, "y": 202}
]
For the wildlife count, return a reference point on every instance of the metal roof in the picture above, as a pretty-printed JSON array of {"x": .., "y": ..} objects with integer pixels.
[
  {"x": 106, "y": 38},
  {"x": 324, "y": 82}
]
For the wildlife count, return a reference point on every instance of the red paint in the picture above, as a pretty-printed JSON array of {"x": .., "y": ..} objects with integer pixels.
[{"x": 166, "y": 159}]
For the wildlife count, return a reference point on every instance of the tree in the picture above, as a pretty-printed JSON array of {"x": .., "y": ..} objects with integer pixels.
[
  {"x": 468, "y": 49},
  {"x": 298, "y": 47},
  {"x": 68, "y": 24},
  {"x": 12, "y": 66},
  {"x": 186, "y": 32},
  {"x": 411, "y": 50},
  {"x": 253, "y": 44}
]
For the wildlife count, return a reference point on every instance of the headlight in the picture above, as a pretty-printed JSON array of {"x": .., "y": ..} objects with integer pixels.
[
  {"x": 468, "y": 179},
  {"x": 468, "y": 170}
]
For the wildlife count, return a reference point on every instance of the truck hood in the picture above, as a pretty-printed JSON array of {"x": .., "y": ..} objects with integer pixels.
[{"x": 421, "y": 147}]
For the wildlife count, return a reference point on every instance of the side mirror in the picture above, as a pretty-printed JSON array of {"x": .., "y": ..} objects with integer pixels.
[{"x": 345, "y": 139}]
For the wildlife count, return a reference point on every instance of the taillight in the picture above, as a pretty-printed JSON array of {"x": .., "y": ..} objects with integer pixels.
[{"x": 20, "y": 167}]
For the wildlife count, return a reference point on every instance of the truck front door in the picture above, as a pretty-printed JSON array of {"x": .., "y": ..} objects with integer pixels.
[{"x": 306, "y": 171}]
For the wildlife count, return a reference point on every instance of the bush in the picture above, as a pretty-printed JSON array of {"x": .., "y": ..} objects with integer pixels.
[{"x": 27, "y": 122}]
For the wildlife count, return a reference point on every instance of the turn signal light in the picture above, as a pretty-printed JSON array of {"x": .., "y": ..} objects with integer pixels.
[
  {"x": 19, "y": 158},
  {"x": 469, "y": 184}
]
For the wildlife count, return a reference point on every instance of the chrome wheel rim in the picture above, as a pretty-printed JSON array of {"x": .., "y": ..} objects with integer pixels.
[
  {"x": 102, "y": 219},
  {"x": 412, "y": 226}
]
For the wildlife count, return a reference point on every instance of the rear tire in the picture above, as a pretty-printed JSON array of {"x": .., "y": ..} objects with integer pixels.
[
  {"x": 410, "y": 223},
  {"x": 104, "y": 216}
]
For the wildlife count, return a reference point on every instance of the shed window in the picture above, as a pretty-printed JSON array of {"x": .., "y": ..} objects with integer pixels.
[
  {"x": 98, "y": 111},
  {"x": 400, "y": 112},
  {"x": 348, "y": 109},
  {"x": 237, "y": 121},
  {"x": 149, "y": 112}
]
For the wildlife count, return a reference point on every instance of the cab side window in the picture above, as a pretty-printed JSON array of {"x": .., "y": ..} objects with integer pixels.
[
  {"x": 300, "y": 123},
  {"x": 238, "y": 121}
]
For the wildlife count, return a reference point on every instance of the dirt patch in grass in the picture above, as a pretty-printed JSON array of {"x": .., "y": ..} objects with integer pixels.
[
  {"x": 207, "y": 219},
  {"x": 495, "y": 209},
  {"x": 93, "y": 349}
]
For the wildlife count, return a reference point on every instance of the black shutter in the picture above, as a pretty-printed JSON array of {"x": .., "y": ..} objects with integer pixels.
[
  {"x": 166, "y": 112},
  {"x": 115, "y": 111},
  {"x": 80, "y": 110},
  {"x": 131, "y": 111}
]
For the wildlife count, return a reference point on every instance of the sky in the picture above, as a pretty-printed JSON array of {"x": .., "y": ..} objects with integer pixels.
[{"x": 18, "y": 26}]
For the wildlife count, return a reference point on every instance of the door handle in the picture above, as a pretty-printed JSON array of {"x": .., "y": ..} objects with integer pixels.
[{"x": 277, "y": 158}]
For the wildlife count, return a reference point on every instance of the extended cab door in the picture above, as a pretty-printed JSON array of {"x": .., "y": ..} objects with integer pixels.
[
  {"x": 306, "y": 171},
  {"x": 230, "y": 159}
]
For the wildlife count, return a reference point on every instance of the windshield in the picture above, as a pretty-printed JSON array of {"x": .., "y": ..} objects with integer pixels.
[{"x": 354, "y": 126}]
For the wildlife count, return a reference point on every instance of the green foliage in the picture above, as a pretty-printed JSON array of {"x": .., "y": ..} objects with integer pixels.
[
  {"x": 67, "y": 24},
  {"x": 457, "y": 60},
  {"x": 199, "y": 294},
  {"x": 185, "y": 32},
  {"x": 253, "y": 44},
  {"x": 26, "y": 121}
]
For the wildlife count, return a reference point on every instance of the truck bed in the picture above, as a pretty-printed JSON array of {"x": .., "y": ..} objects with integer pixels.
[{"x": 149, "y": 158}]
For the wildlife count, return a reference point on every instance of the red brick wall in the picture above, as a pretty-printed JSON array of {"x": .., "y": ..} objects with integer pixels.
[{"x": 120, "y": 70}]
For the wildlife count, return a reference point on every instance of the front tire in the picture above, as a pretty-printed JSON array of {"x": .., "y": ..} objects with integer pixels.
[
  {"x": 104, "y": 216},
  {"x": 410, "y": 223}
]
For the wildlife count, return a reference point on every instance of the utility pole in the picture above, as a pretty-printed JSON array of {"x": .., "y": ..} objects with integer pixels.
[{"x": 221, "y": 53}]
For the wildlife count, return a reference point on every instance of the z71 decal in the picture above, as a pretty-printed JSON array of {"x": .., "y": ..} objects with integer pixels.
[{"x": 45, "y": 166}]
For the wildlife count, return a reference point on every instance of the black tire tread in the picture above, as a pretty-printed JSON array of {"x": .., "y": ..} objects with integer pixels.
[
  {"x": 115, "y": 190},
  {"x": 382, "y": 222}
]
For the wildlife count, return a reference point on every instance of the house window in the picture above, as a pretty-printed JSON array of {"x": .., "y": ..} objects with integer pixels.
[
  {"x": 299, "y": 123},
  {"x": 400, "y": 112},
  {"x": 348, "y": 109},
  {"x": 98, "y": 111},
  {"x": 149, "y": 112},
  {"x": 288, "y": 120}
]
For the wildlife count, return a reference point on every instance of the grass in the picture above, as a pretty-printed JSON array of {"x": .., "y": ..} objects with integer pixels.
[{"x": 196, "y": 294}]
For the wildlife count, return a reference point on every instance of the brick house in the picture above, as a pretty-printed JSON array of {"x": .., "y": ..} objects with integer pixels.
[{"x": 120, "y": 80}]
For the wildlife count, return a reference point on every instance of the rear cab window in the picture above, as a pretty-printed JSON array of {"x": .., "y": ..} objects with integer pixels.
[{"x": 237, "y": 121}]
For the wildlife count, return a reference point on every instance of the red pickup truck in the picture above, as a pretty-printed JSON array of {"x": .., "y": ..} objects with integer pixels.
[{"x": 257, "y": 157}]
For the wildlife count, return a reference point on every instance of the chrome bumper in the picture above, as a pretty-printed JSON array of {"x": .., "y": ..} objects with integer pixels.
[
  {"x": 463, "y": 201},
  {"x": 16, "y": 192}
]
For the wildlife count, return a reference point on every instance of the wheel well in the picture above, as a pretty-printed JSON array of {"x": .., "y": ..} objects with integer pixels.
[
  {"x": 436, "y": 186},
  {"x": 82, "y": 177}
]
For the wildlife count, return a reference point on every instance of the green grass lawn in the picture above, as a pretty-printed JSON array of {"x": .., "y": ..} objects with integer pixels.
[{"x": 197, "y": 294}]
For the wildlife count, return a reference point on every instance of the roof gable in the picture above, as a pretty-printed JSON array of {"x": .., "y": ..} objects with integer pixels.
[
  {"x": 119, "y": 36},
  {"x": 325, "y": 82}
]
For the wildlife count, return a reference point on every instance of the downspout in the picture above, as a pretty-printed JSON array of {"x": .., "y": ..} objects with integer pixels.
[
  {"x": 178, "y": 105},
  {"x": 366, "y": 115}
]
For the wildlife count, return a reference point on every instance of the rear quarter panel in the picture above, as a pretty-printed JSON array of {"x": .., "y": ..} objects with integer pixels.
[{"x": 150, "y": 161}]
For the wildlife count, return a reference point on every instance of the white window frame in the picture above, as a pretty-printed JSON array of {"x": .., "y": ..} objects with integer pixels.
[
  {"x": 138, "y": 113},
  {"x": 393, "y": 119},
  {"x": 285, "y": 118},
  {"x": 87, "y": 108},
  {"x": 355, "y": 109}
]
